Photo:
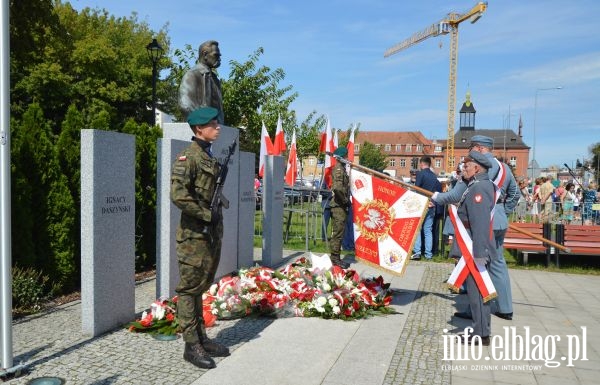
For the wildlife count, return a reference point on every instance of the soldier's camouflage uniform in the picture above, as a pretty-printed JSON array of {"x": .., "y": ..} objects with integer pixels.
[
  {"x": 193, "y": 181},
  {"x": 340, "y": 201}
]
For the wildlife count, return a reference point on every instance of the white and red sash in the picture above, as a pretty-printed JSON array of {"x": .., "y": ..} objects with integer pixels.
[{"x": 467, "y": 264}]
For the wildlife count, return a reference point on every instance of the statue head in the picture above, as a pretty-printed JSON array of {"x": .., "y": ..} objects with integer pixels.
[{"x": 209, "y": 54}]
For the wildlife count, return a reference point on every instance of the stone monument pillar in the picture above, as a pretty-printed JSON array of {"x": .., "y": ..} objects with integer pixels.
[
  {"x": 272, "y": 249},
  {"x": 107, "y": 230}
]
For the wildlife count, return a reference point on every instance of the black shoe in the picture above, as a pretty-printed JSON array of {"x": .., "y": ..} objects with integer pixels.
[
  {"x": 506, "y": 316},
  {"x": 336, "y": 260},
  {"x": 470, "y": 340},
  {"x": 415, "y": 257},
  {"x": 215, "y": 349},
  {"x": 195, "y": 354},
  {"x": 462, "y": 314}
]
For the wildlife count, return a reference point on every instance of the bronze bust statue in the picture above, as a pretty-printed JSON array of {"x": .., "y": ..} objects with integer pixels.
[{"x": 200, "y": 86}]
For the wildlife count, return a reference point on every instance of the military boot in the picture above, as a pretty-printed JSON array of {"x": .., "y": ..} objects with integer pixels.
[
  {"x": 335, "y": 259},
  {"x": 195, "y": 354},
  {"x": 211, "y": 347}
]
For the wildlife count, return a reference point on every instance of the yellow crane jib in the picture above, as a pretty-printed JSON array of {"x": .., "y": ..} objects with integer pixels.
[{"x": 448, "y": 25}]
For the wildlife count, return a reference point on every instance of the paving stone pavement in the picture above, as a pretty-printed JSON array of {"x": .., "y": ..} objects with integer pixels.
[
  {"x": 51, "y": 344},
  {"x": 419, "y": 351}
]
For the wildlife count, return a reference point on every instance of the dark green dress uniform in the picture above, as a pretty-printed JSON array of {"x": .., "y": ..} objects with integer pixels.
[
  {"x": 199, "y": 234},
  {"x": 340, "y": 201}
]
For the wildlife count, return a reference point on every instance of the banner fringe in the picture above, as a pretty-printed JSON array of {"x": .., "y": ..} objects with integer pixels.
[{"x": 379, "y": 267}]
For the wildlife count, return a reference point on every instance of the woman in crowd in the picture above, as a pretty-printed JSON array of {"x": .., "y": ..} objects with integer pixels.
[
  {"x": 535, "y": 201},
  {"x": 524, "y": 201},
  {"x": 568, "y": 200}
]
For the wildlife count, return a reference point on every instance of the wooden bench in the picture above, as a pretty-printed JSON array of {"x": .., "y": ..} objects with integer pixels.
[
  {"x": 524, "y": 244},
  {"x": 581, "y": 239}
]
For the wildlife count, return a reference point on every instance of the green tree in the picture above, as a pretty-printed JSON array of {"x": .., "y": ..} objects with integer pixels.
[
  {"x": 595, "y": 162},
  {"x": 145, "y": 190},
  {"x": 252, "y": 95},
  {"x": 372, "y": 157}
]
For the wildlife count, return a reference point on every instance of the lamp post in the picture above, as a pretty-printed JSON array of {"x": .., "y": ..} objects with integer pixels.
[
  {"x": 535, "y": 120},
  {"x": 155, "y": 51}
]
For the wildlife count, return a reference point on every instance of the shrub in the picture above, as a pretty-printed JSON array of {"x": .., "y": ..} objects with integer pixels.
[{"x": 29, "y": 290}]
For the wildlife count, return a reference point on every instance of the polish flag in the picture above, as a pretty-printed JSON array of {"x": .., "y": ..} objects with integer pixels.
[
  {"x": 266, "y": 148},
  {"x": 350, "y": 145},
  {"x": 292, "y": 164},
  {"x": 279, "y": 143},
  {"x": 329, "y": 160}
]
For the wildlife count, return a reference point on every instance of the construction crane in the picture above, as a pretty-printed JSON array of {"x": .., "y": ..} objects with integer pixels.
[{"x": 449, "y": 24}]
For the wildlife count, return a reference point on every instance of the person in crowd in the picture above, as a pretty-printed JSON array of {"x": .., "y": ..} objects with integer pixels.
[
  {"x": 340, "y": 202},
  {"x": 500, "y": 174},
  {"x": 535, "y": 201},
  {"x": 545, "y": 195},
  {"x": 576, "y": 205},
  {"x": 568, "y": 201},
  {"x": 427, "y": 180},
  {"x": 474, "y": 211},
  {"x": 524, "y": 200},
  {"x": 588, "y": 200},
  {"x": 199, "y": 235}
]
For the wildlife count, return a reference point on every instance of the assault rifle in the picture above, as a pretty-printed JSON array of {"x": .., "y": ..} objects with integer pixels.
[{"x": 217, "y": 197}]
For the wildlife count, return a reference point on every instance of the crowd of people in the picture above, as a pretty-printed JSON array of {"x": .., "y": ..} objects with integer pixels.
[{"x": 558, "y": 202}]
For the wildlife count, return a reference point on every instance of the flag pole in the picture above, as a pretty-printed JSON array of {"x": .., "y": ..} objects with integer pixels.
[
  {"x": 5, "y": 210},
  {"x": 429, "y": 194}
]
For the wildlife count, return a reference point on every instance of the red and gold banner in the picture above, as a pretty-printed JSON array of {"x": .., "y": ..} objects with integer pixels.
[{"x": 387, "y": 219}]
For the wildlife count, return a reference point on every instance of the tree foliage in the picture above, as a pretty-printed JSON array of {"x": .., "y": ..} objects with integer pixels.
[
  {"x": 372, "y": 157},
  {"x": 72, "y": 70},
  {"x": 251, "y": 96}
]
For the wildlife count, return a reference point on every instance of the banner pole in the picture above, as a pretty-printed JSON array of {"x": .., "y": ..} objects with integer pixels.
[{"x": 429, "y": 194}]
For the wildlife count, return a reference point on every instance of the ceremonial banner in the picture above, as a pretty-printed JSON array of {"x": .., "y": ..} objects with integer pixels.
[{"x": 387, "y": 219}]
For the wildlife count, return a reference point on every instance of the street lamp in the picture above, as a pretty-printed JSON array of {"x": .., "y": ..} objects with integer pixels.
[
  {"x": 535, "y": 120},
  {"x": 155, "y": 51}
]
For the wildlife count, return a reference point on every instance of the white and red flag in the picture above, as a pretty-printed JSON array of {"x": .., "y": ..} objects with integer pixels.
[
  {"x": 387, "y": 220},
  {"x": 292, "y": 164},
  {"x": 266, "y": 148},
  {"x": 279, "y": 143},
  {"x": 350, "y": 145},
  {"x": 328, "y": 148}
]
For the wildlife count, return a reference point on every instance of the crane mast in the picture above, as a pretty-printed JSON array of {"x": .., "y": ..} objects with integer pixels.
[{"x": 448, "y": 25}]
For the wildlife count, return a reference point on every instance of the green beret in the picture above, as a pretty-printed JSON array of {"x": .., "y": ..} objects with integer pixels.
[
  {"x": 341, "y": 152},
  {"x": 202, "y": 116}
]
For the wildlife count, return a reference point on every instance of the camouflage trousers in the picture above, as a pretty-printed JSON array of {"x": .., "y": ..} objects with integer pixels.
[
  {"x": 198, "y": 262},
  {"x": 338, "y": 219}
]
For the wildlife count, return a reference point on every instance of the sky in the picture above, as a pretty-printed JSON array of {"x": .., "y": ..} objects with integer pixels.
[{"x": 332, "y": 54}]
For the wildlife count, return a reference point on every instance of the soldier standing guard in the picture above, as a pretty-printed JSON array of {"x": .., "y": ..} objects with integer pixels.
[
  {"x": 340, "y": 202},
  {"x": 474, "y": 211},
  {"x": 193, "y": 181}
]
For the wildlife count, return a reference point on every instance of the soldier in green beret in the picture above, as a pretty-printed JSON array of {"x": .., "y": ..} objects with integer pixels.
[
  {"x": 340, "y": 203},
  {"x": 193, "y": 181}
]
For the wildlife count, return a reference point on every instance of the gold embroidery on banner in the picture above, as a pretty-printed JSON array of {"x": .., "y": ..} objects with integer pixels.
[{"x": 375, "y": 219}]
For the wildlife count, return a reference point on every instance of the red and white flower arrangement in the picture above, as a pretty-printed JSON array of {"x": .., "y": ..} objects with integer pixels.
[{"x": 296, "y": 290}]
